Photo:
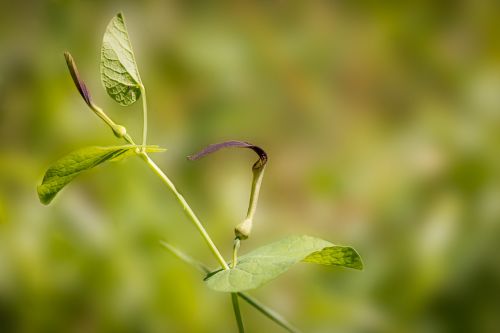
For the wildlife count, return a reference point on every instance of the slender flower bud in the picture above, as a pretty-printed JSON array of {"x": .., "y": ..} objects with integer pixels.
[{"x": 80, "y": 85}]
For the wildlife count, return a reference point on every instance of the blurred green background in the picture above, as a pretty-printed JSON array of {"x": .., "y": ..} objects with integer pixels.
[{"x": 382, "y": 123}]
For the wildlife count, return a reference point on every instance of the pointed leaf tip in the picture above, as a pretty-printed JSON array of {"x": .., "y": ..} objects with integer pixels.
[
  {"x": 232, "y": 144},
  {"x": 75, "y": 75},
  {"x": 119, "y": 73},
  {"x": 344, "y": 256}
]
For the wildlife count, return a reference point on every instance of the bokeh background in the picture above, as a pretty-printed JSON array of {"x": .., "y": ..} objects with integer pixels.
[{"x": 382, "y": 123}]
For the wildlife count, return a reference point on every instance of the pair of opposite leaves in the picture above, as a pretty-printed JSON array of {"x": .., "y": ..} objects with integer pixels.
[{"x": 120, "y": 77}]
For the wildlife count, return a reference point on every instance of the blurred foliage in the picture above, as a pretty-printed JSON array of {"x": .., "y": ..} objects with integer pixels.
[{"x": 382, "y": 122}]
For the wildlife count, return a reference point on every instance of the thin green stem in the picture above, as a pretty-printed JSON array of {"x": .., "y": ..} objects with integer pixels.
[
  {"x": 145, "y": 117},
  {"x": 121, "y": 132},
  {"x": 269, "y": 313},
  {"x": 187, "y": 209},
  {"x": 236, "y": 246},
  {"x": 98, "y": 111},
  {"x": 118, "y": 130},
  {"x": 237, "y": 313}
]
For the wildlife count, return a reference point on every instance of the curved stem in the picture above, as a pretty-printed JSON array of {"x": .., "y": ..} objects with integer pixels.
[
  {"x": 121, "y": 132},
  {"x": 237, "y": 313},
  {"x": 162, "y": 175},
  {"x": 187, "y": 209}
]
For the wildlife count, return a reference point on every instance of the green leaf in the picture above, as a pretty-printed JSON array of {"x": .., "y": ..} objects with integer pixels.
[
  {"x": 268, "y": 262},
  {"x": 265, "y": 310},
  {"x": 67, "y": 168},
  {"x": 119, "y": 73}
]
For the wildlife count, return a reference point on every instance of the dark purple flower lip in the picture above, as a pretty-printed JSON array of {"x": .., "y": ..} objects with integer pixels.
[{"x": 232, "y": 144}]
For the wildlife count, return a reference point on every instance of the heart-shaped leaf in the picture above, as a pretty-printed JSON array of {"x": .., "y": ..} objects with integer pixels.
[
  {"x": 265, "y": 310},
  {"x": 119, "y": 73},
  {"x": 270, "y": 261},
  {"x": 63, "y": 171}
]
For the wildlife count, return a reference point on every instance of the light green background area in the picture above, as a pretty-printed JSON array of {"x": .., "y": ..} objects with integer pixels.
[{"x": 382, "y": 125}]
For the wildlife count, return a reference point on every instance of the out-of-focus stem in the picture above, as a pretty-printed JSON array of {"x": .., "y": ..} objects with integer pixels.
[
  {"x": 269, "y": 313},
  {"x": 237, "y": 313}
]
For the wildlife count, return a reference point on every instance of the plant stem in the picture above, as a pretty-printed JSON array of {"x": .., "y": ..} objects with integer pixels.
[
  {"x": 163, "y": 176},
  {"x": 271, "y": 314},
  {"x": 186, "y": 208},
  {"x": 145, "y": 117},
  {"x": 184, "y": 257},
  {"x": 236, "y": 246},
  {"x": 118, "y": 130},
  {"x": 237, "y": 313}
]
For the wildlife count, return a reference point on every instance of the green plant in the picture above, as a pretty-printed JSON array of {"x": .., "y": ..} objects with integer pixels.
[{"x": 121, "y": 79}]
